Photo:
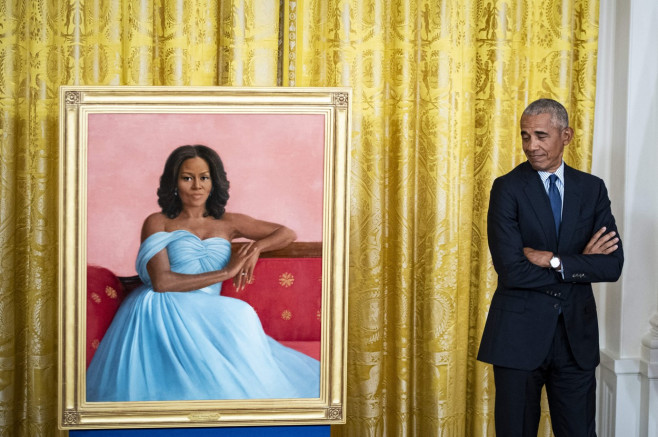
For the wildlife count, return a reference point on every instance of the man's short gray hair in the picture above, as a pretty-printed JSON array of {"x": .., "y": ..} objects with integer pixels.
[{"x": 559, "y": 116}]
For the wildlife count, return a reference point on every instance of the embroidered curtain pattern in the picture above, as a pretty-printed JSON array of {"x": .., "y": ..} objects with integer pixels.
[
  {"x": 438, "y": 88},
  {"x": 48, "y": 43}
]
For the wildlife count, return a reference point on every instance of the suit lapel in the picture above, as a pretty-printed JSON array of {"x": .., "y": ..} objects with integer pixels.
[
  {"x": 538, "y": 200},
  {"x": 570, "y": 209}
]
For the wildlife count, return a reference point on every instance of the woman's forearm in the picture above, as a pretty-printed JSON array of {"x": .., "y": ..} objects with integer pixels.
[
  {"x": 172, "y": 281},
  {"x": 278, "y": 239}
]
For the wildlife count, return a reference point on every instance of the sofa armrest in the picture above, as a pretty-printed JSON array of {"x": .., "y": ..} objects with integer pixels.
[
  {"x": 287, "y": 295},
  {"x": 105, "y": 293}
]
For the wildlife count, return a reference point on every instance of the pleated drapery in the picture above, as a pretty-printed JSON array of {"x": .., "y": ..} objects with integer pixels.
[{"x": 439, "y": 86}]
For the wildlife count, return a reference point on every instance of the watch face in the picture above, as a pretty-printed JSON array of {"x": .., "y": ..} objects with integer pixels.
[{"x": 555, "y": 262}]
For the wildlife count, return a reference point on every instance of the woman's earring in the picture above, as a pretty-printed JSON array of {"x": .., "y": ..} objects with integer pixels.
[{"x": 175, "y": 192}]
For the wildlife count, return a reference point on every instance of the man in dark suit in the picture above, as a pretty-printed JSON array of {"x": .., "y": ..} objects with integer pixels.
[{"x": 551, "y": 234}]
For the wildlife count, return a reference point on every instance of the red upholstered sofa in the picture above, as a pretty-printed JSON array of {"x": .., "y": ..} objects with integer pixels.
[{"x": 286, "y": 293}]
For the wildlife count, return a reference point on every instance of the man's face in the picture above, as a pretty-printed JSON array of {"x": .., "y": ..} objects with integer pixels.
[{"x": 543, "y": 141}]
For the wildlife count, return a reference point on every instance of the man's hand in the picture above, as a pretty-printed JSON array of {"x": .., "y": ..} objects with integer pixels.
[
  {"x": 601, "y": 243},
  {"x": 539, "y": 258}
]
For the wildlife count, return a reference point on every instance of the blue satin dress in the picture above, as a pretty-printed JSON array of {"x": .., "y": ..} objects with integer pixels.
[{"x": 195, "y": 345}]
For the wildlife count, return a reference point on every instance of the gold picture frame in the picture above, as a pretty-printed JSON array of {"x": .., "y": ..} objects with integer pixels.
[{"x": 80, "y": 109}]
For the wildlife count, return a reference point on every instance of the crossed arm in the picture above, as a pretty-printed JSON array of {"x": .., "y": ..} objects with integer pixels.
[
  {"x": 263, "y": 236},
  {"x": 600, "y": 243}
]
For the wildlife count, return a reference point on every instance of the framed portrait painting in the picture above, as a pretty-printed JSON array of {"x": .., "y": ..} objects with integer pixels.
[{"x": 189, "y": 183}]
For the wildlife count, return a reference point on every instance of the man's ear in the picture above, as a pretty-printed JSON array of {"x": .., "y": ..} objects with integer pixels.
[{"x": 567, "y": 135}]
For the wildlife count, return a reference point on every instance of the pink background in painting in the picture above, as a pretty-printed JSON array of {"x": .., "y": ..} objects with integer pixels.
[{"x": 274, "y": 163}]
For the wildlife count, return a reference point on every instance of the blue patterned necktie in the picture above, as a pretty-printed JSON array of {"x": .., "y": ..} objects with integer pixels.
[{"x": 556, "y": 202}]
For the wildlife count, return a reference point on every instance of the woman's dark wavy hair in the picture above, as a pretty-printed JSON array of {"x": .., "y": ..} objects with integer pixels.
[{"x": 168, "y": 199}]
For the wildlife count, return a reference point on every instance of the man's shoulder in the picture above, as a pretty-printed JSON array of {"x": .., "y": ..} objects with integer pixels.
[
  {"x": 524, "y": 170},
  {"x": 521, "y": 171},
  {"x": 579, "y": 175}
]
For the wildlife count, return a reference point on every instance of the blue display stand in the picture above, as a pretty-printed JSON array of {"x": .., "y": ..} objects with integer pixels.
[{"x": 248, "y": 431}]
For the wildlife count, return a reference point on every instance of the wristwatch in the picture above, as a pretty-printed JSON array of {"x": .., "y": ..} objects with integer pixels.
[{"x": 555, "y": 262}]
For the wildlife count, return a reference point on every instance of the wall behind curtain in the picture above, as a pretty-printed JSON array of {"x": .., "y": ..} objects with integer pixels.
[{"x": 438, "y": 89}]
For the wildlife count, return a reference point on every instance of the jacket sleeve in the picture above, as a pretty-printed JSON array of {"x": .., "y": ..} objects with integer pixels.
[
  {"x": 506, "y": 243},
  {"x": 596, "y": 268}
]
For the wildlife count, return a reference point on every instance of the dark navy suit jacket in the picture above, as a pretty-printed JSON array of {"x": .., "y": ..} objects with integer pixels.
[{"x": 527, "y": 301}]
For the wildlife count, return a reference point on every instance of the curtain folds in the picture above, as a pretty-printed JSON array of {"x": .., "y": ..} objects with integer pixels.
[{"x": 438, "y": 89}]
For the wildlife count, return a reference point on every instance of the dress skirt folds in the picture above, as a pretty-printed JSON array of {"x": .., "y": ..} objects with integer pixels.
[{"x": 195, "y": 345}]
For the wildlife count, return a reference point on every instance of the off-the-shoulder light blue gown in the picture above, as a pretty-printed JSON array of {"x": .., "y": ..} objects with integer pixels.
[{"x": 193, "y": 345}]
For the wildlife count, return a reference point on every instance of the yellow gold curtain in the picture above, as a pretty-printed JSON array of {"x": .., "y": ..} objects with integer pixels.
[
  {"x": 438, "y": 88},
  {"x": 48, "y": 43}
]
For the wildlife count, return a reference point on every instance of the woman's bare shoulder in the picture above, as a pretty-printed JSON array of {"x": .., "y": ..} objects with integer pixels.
[
  {"x": 155, "y": 222},
  {"x": 231, "y": 224},
  {"x": 233, "y": 217}
]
